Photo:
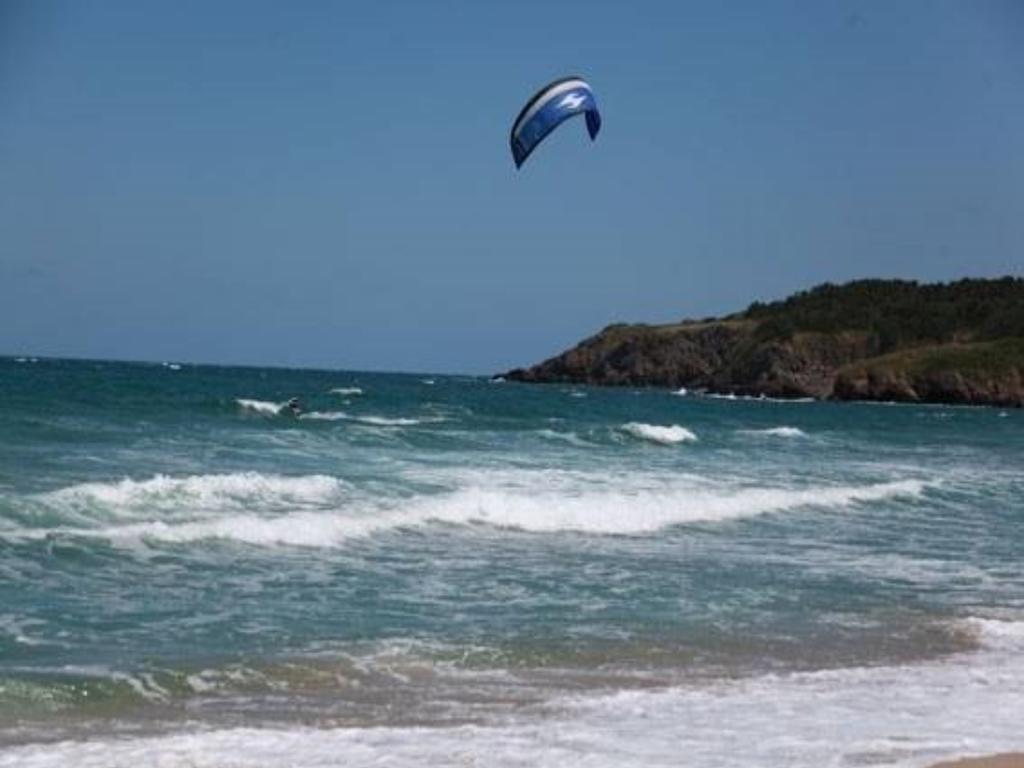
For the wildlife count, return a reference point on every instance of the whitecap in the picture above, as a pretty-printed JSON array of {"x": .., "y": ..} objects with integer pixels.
[
  {"x": 325, "y": 415},
  {"x": 396, "y": 421},
  {"x": 261, "y": 406},
  {"x": 538, "y": 504},
  {"x": 347, "y": 391},
  {"x": 775, "y": 432},
  {"x": 762, "y": 398},
  {"x": 191, "y": 494},
  {"x": 375, "y": 421},
  {"x": 662, "y": 435}
]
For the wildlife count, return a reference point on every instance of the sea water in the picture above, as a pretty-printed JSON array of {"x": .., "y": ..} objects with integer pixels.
[{"x": 445, "y": 570}]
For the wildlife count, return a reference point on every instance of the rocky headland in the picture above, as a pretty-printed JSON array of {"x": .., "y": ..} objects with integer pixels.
[{"x": 891, "y": 340}]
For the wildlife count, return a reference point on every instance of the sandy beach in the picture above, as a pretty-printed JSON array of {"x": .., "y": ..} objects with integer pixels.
[{"x": 1007, "y": 760}]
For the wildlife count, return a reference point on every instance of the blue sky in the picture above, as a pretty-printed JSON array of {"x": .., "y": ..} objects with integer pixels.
[{"x": 329, "y": 184}]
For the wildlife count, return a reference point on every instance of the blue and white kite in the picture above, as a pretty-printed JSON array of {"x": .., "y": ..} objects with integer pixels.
[{"x": 550, "y": 107}]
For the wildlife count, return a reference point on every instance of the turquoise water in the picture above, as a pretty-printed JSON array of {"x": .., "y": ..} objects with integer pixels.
[{"x": 418, "y": 565}]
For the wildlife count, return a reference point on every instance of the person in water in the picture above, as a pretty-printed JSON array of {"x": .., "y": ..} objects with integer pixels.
[{"x": 294, "y": 406}]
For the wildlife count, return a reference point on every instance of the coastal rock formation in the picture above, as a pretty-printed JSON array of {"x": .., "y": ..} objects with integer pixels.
[
  {"x": 871, "y": 340},
  {"x": 989, "y": 373}
]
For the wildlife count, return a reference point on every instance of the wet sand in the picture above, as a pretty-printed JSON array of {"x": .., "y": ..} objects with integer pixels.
[{"x": 1007, "y": 760}]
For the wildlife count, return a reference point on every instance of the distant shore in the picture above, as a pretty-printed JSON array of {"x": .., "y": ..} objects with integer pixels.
[{"x": 959, "y": 343}]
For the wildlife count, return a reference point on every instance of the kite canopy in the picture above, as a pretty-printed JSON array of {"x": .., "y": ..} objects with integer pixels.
[{"x": 550, "y": 107}]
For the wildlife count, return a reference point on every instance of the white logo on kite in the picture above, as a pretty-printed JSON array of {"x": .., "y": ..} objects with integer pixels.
[{"x": 572, "y": 100}]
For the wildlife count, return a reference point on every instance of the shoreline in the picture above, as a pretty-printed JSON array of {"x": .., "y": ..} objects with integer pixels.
[
  {"x": 1000, "y": 760},
  {"x": 759, "y": 397}
]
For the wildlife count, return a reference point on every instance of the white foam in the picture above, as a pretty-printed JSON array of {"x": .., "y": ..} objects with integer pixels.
[
  {"x": 775, "y": 432},
  {"x": 392, "y": 421},
  {"x": 261, "y": 406},
  {"x": 161, "y": 494},
  {"x": 331, "y": 518},
  {"x": 325, "y": 416},
  {"x": 1000, "y": 634},
  {"x": 642, "y": 511},
  {"x": 896, "y": 716},
  {"x": 659, "y": 434},
  {"x": 325, "y": 511},
  {"x": 376, "y": 421},
  {"x": 681, "y": 392},
  {"x": 347, "y": 391},
  {"x": 762, "y": 398},
  {"x": 299, "y": 529}
]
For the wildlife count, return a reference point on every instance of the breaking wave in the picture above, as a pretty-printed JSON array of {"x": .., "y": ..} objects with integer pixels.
[
  {"x": 659, "y": 434},
  {"x": 376, "y": 421},
  {"x": 392, "y": 421},
  {"x": 775, "y": 432},
  {"x": 162, "y": 494},
  {"x": 321, "y": 511},
  {"x": 265, "y": 407},
  {"x": 347, "y": 391},
  {"x": 325, "y": 416}
]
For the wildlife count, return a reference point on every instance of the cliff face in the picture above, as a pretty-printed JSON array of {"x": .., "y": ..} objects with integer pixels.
[
  {"x": 984, "y": 373},
  {"x": 778, "y": 353},
  {"x": 723, "y": 356},
  {"x": 643, "y": 355}
]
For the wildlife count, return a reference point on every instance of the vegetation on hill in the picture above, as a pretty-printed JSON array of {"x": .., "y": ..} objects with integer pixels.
[
  {"x": 899, "y": 313},
  {"x": 957, "y": 342}
]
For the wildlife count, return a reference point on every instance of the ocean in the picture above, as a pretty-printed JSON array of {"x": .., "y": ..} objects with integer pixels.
[{"x": 445, "y": 570}]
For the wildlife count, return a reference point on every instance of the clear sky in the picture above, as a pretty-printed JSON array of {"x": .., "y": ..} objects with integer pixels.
[{"x": 330, "y": 184}]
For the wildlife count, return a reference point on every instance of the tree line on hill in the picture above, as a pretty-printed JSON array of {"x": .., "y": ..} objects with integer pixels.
[{"x": 898, "y": 313}]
